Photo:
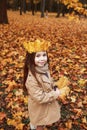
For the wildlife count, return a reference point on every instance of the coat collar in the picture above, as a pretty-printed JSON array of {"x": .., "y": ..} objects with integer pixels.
[{"x": 46, "y": 78}]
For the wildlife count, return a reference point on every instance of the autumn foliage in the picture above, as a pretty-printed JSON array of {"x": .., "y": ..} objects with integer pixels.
[
  {"x": 68, "y": 57},
  {"x": 76, "y": 5}
]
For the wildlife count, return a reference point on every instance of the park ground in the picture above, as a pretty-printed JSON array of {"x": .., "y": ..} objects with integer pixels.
[{"x": 68, "y": 57}]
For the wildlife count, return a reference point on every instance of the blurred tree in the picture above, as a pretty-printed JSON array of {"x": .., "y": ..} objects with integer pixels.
[
  {"x": 35, "y": 4},
  {"x": 42, "y": 7},
  {"x": 32, "y": 6},
  {"x": 9, "y": 4},
  {"x": 22, "y": 6},
  {"x": 71, "y": 7},
  {"x": 50, "y": 5},
  {"x": 15, "y": 4},
  {"x": 62, "y": 7},
  {"x": 21, "y": 1},
  {"x": 3, "y": 12},
  {"x": 59, "y": 8}
]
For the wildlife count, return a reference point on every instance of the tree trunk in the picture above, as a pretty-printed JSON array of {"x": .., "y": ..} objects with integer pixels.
[
  {"x": 24, "y": 6},
  {"x": 35, "y": 7},
  {"x": 3, "y": 12},
  {"x": 42, "y": 7},
  {"x": 58, "y": 8},
  {"x": 21, "y": 3},
  {"x": 32, "y": 6},
  {"x": 50, "y": 5}
]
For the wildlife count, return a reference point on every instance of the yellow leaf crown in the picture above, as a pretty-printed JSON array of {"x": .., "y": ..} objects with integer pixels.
[{"x": 36, "y": 46}]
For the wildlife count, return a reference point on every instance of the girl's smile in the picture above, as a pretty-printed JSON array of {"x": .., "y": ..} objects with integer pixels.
[{"x": 41, "y": 58}]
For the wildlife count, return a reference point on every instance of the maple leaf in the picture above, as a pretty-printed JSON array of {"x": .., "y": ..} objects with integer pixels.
[
  {"x": 84, "y": 119},
  {"x": 62, "y": 82},
  {"x": 82, "y": 82},
  {"x": 69, "y": 124},
  {"x": 62, "y": 85},
  {"x": 16, "y": 123},
  {"x": 78, "y": 111},
  {"x": 26, "y": 100},
  {"x": 73, "y": 98},
  {"x": 19, "y": 92},
  {"x": 10, "y": 104},
  {"x": 2, "y": 116}
]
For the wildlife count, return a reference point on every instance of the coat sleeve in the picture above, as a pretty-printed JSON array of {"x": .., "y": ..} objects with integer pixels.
[{"x": 38, "y": 94}]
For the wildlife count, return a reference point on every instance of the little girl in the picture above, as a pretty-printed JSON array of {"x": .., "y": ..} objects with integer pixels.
[{"x": 43, "y": 106}]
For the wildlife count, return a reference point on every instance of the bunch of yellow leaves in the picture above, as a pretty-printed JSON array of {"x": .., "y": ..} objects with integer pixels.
[
  {"x": 62, "y": 84},
  {"x": 36, "y": 46}
]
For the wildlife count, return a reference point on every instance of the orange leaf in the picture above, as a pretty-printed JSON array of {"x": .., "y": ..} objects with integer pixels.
[{"x": 2, "y": 116}]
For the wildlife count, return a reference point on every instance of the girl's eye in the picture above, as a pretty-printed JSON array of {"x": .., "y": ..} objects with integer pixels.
[
  {"x": 38, "y": 55},
  {"x": 44, "y": 54}
]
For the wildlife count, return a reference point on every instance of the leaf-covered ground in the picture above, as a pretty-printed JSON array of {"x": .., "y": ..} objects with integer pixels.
[{"x": 68, "y": 56}]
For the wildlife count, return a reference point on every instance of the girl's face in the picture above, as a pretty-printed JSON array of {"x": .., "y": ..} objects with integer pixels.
[{"x": 41, "y": 58}]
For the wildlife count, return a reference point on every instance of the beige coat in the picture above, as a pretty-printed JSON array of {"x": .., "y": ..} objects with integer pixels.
[{"x": 42, "y": 105}]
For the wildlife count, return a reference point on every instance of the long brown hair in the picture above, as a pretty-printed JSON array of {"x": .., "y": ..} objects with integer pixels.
[{"x": 30, "y": 65}]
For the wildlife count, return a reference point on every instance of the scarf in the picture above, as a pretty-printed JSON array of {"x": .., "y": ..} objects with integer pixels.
[{"x": 42, "y": 70}]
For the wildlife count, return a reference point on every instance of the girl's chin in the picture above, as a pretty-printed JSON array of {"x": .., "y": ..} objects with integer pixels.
[{"x": 41, "y": 65}]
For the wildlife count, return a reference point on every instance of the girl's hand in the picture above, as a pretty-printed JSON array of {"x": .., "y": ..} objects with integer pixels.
[{"x": 58, "y": 92}]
